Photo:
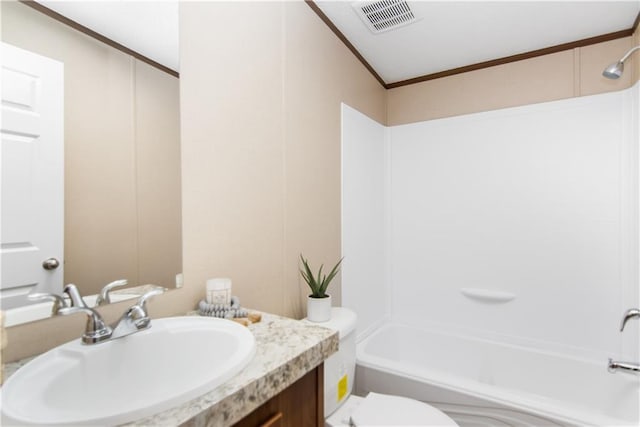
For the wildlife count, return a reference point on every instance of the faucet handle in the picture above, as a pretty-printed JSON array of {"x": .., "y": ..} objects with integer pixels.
[
  {"x": 58, "y": 301},
  {"x": 142, "y": 301},
  {"x": 104, "y": 297},
  {"x": 95, "y": 330},
  {"x": 629, "y": 314},
  {"x": 74, "y": 294},
  {"x": 136, "y": 317}
]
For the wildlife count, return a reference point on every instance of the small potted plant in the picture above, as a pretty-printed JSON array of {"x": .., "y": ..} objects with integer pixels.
[{"x": 319, "y": 302}]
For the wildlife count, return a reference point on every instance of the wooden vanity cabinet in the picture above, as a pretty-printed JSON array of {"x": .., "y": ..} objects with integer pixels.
[{"x": 299, "y": 405}]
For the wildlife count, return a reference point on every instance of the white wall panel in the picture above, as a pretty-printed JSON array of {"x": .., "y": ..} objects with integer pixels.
[
  {"x": 532, "y": 201},
  {"x": 364, "y": 219},
  {"x": 630, "y": 263}
]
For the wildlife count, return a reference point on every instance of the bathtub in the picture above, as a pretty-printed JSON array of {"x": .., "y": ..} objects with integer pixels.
[{"x": 482, "y": 383}]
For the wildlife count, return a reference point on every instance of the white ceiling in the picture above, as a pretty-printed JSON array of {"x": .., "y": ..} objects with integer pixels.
[
  {"x": 447, "y": 35},
  {"x": 451, "y": 34},
  {"x": 147, "y": 27}
]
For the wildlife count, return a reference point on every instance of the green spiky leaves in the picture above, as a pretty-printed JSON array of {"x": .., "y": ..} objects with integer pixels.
[{"x": 320, "y": 283}]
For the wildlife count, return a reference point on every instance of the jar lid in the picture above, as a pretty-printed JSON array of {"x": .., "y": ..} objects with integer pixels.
[{"x": 219, "y": 283}]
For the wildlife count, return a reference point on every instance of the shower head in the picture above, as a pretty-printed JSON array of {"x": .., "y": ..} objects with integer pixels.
[{"x": 616, "y": 69}]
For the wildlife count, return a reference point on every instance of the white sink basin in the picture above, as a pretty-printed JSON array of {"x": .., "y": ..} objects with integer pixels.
[{"x": 119, "y": 381}]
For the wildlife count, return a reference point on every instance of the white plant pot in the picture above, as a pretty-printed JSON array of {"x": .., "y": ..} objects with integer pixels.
[{"x": 319, "y": 309}]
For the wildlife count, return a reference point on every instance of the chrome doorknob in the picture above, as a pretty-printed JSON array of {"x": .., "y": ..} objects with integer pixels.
[{"x": 50, "y": 264}]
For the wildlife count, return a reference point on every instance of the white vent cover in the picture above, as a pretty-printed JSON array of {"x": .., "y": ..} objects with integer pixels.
[{"x": 384, "y": 15}]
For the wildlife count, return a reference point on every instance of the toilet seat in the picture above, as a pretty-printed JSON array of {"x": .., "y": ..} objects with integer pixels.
[{"x": 386, "y": 410}]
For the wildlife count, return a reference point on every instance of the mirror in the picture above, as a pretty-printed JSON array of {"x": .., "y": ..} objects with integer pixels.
[{"x": 122, "y": 201}]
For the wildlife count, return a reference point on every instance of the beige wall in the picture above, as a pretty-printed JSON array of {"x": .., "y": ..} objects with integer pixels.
[
  {"x": 122, "y": 156},
  {"x": 158, "y": 175},
  {"x": 261, "y": 146},
  {"x": 320, "y": 73},
  {"x": 576, "y": 72}
]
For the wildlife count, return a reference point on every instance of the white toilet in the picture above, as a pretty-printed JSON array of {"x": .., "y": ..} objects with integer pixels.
[{"x": 341, "y": 409}]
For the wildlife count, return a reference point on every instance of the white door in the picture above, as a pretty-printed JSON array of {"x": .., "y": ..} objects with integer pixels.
[{"x": 32, "y": 175}]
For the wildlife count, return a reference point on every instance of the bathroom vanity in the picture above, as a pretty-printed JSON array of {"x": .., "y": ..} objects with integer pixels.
[
  {"x": 281, "y": 386},
  {"x": 300, "y": 404}
]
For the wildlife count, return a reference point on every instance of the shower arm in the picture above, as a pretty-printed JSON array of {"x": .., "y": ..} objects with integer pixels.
[{"x": 628, "y": 54}]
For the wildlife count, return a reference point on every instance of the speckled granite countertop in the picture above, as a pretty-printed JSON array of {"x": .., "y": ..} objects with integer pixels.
[{"x": 286, "y": 350}]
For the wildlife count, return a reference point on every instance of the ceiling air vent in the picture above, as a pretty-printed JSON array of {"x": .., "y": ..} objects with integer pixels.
[{"x": 384, "y": 15}]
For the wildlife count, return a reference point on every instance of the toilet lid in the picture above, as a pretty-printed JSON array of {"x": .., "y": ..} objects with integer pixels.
[
  {"x": 342, "y": 320},
  {"x": 385, "y": 410}
]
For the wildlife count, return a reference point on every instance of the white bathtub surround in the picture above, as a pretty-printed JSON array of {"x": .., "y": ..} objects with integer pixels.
[
  {"x": 532, "y": 201},
  {"x": 513, "y": 230},
  {"x": 487, "y": 295},
  {"x": 319, "y": 309},
  {"x": 365, "y": 185},
  {"x": 537, "y": 202}
]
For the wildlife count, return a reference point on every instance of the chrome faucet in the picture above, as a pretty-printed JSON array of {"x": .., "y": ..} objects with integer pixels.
[
  {"x": 135, "y": 318},
  {"x": 625, "y": 366},
  {"x": 614, "y": 366},
  {"x": 104, "y": 297},
  {"x": 57, "y": 300},
  {"x": 96, "y": 330},
  {"x": 74, "y": 295}
]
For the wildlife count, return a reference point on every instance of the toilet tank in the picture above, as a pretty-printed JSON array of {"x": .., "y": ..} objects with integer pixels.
[{"x": 339, "y": 368}]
